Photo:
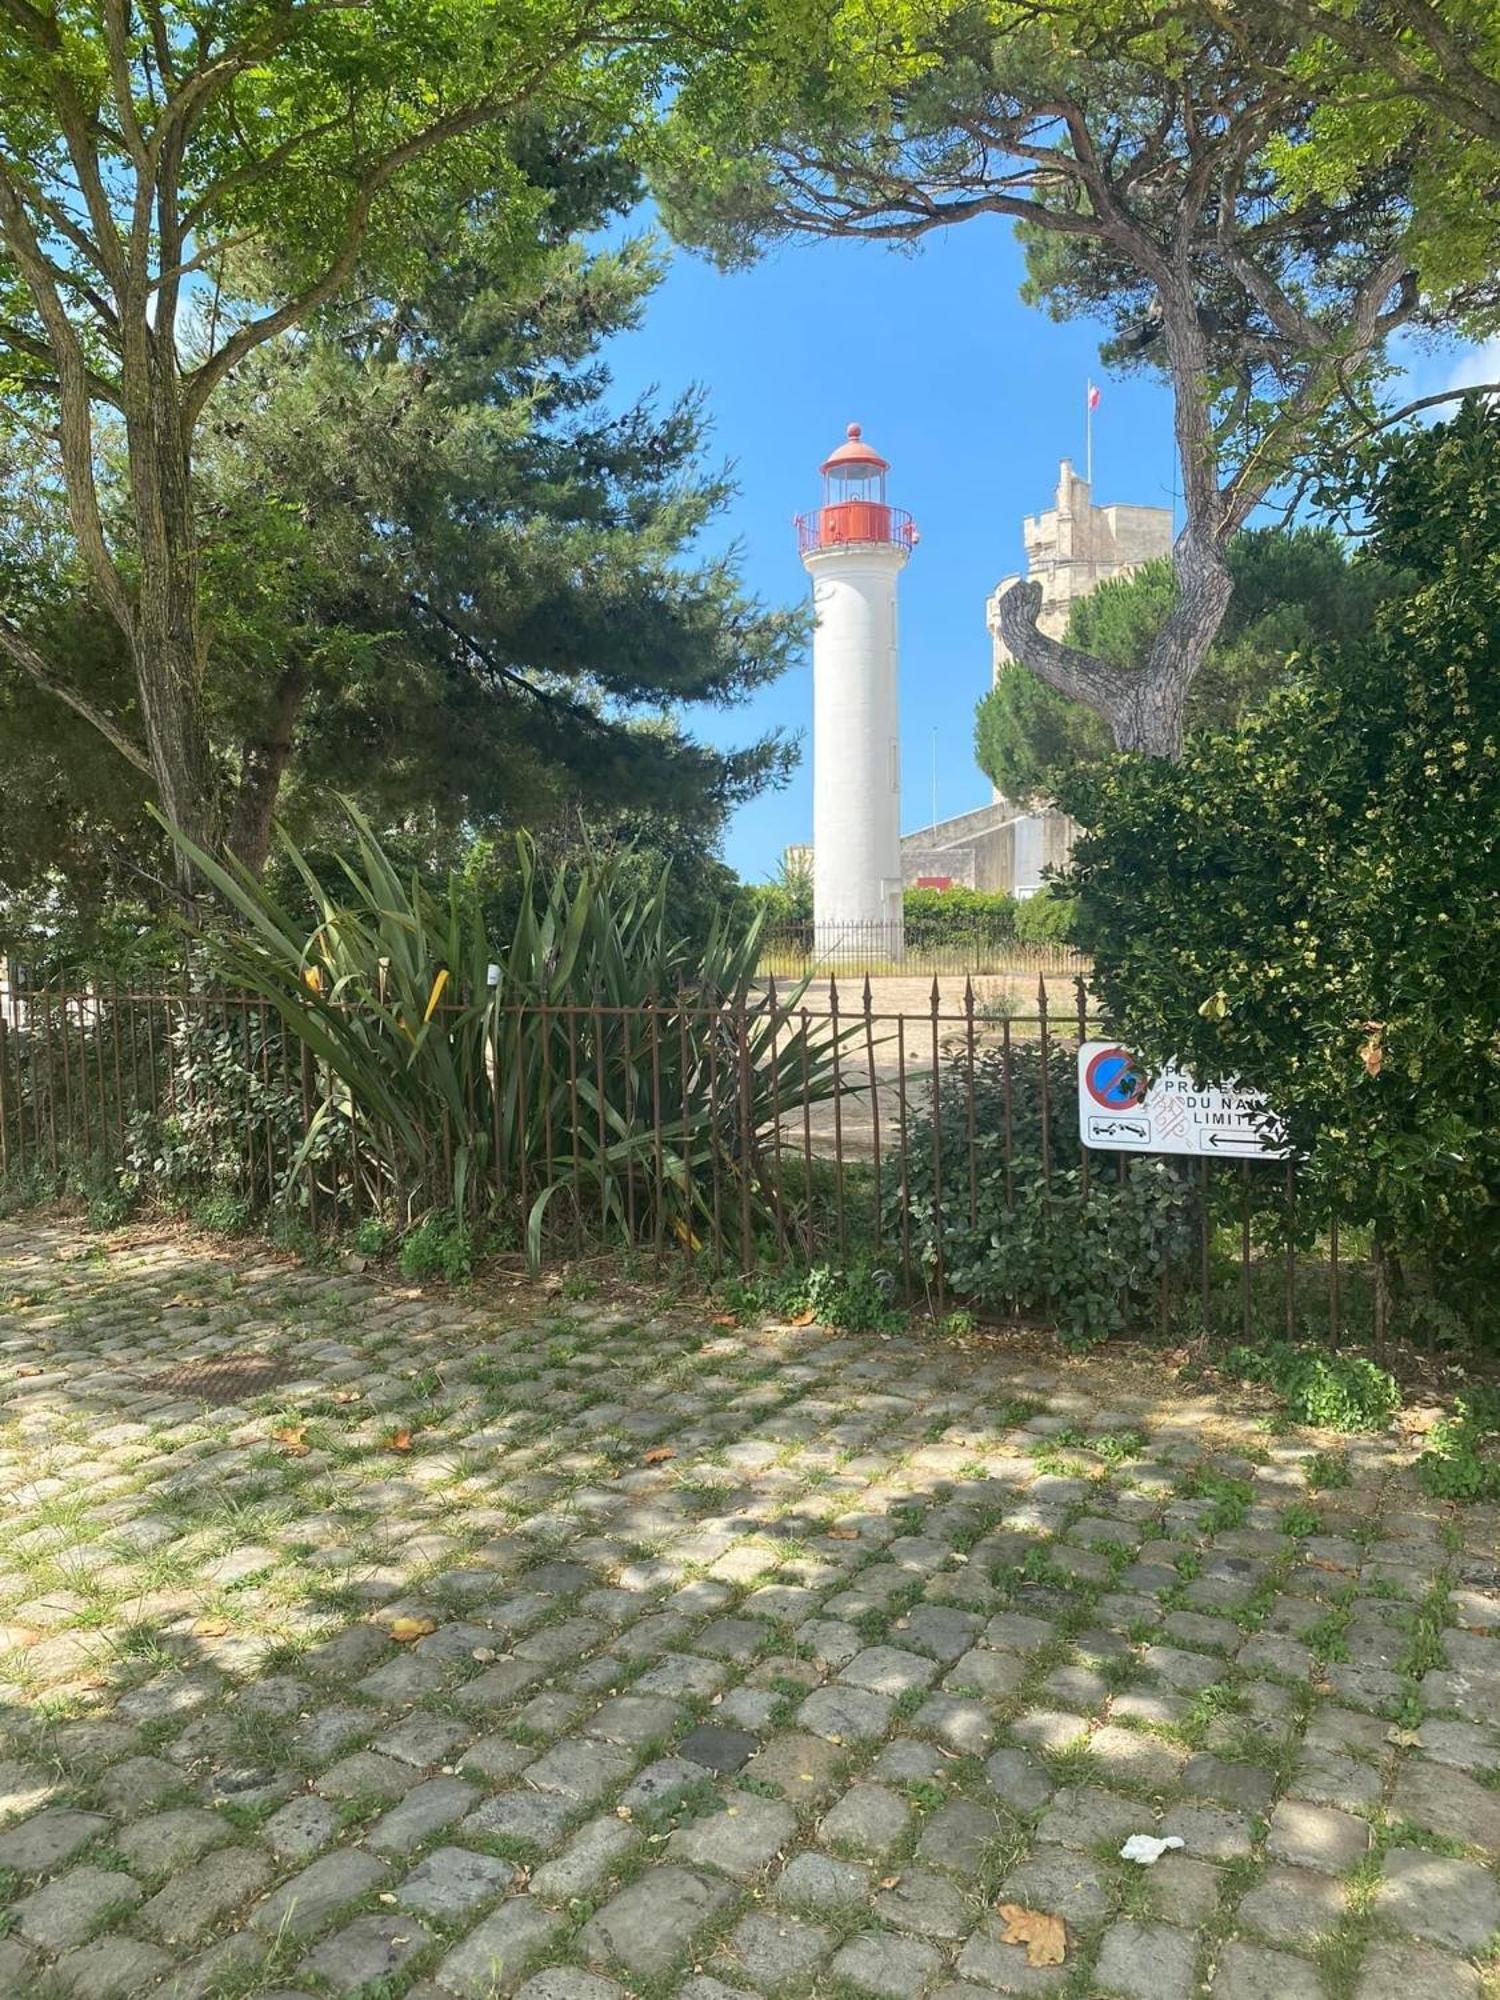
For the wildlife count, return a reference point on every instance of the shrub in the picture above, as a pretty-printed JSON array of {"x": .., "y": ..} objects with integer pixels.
[
  {"x": 373, "y": 1236},
  {"x": 1461, "y": 1459},
  {"x": 1024, "y": 1236},
  {"x": 222, "y": 1213},
  {"x": 937, "y": 917},
  {"x": 1307, "y": 901},
  {"x": 597, "y": 1067},
  {"x": 439, "y": 1247},
  {"x": 857, "y": 1298},
  {"x": 1050, "y": 917},
  {"x": 1335, "y": 1392}
]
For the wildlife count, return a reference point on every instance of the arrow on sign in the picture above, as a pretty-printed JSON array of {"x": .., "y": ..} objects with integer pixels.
[{"x": 1235, "y": 1142}]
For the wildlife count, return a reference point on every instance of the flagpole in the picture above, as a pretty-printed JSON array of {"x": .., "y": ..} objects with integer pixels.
[{"x": 1088, "y": 429}]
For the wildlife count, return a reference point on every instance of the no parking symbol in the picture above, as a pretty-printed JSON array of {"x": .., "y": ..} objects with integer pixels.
[{"x": 1111, "y": 1078}]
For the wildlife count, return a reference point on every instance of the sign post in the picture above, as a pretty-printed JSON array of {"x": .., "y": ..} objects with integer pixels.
[{"x": 1121, "y": 1110}]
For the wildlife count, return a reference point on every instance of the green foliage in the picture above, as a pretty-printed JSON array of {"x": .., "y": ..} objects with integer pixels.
[
  {"x": 1022, "y": 1237},
  {"x": 1049, "y": 917},
  {"x": 612, "y": 1063},
  {"x": 222, "y": 1213},
  {"x": 373, "y": 1236},
  {"x": 1326, "y": 1471},
  {"x": 855, "y": 1298},
  {"x": 1307, "y": 901},
  {"x": 1293, "y": 589},
  {"x": 1461, "y": 1458},
  {"x": 439, "y": 1247},
  {"x": 937, "y": 917},
  {"x": 240, "y": 168},
  {"x": 1335, "y": 1392},
  {"x": 1229, "y": 1499},
  {"x": 1025, "y": 736}
]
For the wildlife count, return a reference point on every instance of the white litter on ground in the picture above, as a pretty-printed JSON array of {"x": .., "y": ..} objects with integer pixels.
[{"x": 1147, "y": 1849}]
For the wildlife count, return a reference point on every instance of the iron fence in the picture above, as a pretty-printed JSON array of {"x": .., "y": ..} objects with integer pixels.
[
  {"x": 940, "y": 1146},
  {"x": 922, "y": 945}
]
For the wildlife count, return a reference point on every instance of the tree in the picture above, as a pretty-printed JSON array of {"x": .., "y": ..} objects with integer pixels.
[
  {"x": 182, "y": 183},
  {"x": 1418, "y": 79},
  {"x": 1307, "y": 901},
  {"x": 1139, "y": 163},
  {"x": 485, "y": 600},
  {"x": 1293, "y": 589},
  {"x": 440, "y": 571}
]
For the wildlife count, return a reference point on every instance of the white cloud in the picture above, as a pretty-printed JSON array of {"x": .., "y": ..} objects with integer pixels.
[{"x": 1477, "y": 365}]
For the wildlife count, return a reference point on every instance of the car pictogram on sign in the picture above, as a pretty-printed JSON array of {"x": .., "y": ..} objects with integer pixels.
[{"x": 1113, "y": 1080}]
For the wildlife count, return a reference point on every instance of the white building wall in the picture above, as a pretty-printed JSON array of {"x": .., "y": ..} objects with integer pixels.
[{"x": 856, "y": 743}]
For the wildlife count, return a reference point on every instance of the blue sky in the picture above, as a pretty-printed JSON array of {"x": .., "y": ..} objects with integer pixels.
[{"x": 972, "y": 396}]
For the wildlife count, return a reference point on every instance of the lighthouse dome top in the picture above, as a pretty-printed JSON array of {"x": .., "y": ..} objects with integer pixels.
[{"x": 854, "y": 455}]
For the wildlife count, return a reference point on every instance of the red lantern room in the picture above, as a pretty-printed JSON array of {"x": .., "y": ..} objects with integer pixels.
[{"x": 855, "y": 512}]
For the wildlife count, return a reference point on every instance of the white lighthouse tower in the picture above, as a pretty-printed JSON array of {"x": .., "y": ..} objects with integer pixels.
[{"x": 854, "y": 547}]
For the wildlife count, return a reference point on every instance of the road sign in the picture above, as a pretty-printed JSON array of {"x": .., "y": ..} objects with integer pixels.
[
  {"x": 1113, "y": 1081},
  {"x": 1120, "y": 1111}
]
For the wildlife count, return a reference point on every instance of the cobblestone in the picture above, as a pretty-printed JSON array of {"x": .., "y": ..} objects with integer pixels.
[{"x": 528, "y": 1710}]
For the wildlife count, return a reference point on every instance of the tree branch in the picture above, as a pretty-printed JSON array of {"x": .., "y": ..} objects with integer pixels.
[
  {"x": 75, "y": 419},
  {"x": 20, "y": 649},
  {"x": 201, "y": 383}
]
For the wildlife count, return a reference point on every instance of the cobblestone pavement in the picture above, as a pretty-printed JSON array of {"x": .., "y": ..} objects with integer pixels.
[{"x": 485, "y": 1647}]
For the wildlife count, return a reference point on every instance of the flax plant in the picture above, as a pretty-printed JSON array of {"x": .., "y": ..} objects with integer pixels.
[{"x": 592, "y": 1068}]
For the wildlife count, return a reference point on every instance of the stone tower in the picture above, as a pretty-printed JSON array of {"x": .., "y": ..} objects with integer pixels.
[
  {"x": 1076, "y": 545},
  {"x": 1070, "y": 549}
]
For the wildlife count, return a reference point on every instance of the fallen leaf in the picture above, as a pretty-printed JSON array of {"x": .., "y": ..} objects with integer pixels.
[
  {"x": 723, "y": 1319},
  {"x": 398, "y": 1441},
  {"x": 1045, "y": 1937},
  {"x": 659, "y": 1454},
  {"x": 484, "y": 1655},
  {"x": 890, "y": 1882},
  {"x": 294, "y": 1439},
  {"x": 406, "y": 1629},
  {"x": 802, "y": 1318},
  {"x": 211, "y": 1628},
  {"x": 843, "y": 1534}
]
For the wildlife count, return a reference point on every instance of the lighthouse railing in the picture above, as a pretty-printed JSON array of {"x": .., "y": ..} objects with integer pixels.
[{"x": 849, "y": 524}]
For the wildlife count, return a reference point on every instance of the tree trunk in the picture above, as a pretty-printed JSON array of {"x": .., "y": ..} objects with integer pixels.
[
  {"x": 166, "y": 638},
  {"x": 263, "y": 764},
  {"x": 1145, "y": 708}
]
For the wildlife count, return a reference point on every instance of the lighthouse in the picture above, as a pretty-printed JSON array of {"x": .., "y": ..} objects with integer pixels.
[{"x": 854, "y": 547}]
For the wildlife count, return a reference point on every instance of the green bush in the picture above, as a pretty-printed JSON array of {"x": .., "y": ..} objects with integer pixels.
[
  {"x": 1024, "y": 1236},
  {"x": 1307, "y": 901},
  {"x": 222, "y": 1213},
  {"x": 937, "y": 917},
  {"x": 373, "y": 1236},
  {"x": 1461, "y": 1459},
  {"x": 593, "y": 1071},
  {"x": 1335, "y": 1392},
  {"x": 858, "y": 1300},
  {"x": 439, "y": 1247},
  {"x": 855, "y": 1298},
  {"x": 1049, "y": 917}
]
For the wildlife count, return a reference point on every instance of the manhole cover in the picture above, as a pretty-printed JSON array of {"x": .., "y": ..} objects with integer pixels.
[{"x": 229, "y": 1379}]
